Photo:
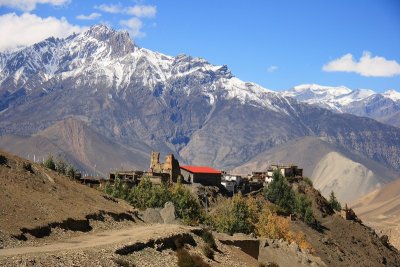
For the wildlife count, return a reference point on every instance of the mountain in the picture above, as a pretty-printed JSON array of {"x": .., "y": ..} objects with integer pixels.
[
  {"x": 381, "y": 210},
  {"x": 329, "y": 166},
  {"x": 74, "y": 141},
  {"x": 383, "y": 107},
  {"x": 142, "y": 100}
]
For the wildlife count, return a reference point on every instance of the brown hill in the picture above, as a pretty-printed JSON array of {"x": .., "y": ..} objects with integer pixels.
[
  {"x": 330, "y": 167},
  {"x": 381, "y": 210},
  {"x": 34, "y": 199},
  {"x": 76, "y": 142}
]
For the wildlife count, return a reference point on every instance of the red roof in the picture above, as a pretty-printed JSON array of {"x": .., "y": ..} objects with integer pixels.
[{"x": 200, "y": 169}]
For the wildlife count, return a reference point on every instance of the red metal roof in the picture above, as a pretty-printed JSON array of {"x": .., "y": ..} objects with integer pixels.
[{"x": 200, "y": 169}]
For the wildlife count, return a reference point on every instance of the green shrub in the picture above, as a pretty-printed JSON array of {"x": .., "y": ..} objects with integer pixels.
[
  {"x": 49, "y": 163},
  {"x": 309, "y": 217},
  {"x": 236, "y": 215},
  {"x": 186, "y": 205},
  {"x": 308, "y": 181},
  {"x": 334, "y": 203},
  {"x": 280, "y": 193},
  {"x": 61, "y": 166},
  {"x": 186, "y": 260},
  {"x": 71, "y": 172},
  {"x": 146, "y": 195},
  {"x": 304, "y": 209}
]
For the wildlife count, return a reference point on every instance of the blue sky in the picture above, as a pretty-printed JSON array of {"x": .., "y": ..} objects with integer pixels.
[{"x": 278, "y": 44}]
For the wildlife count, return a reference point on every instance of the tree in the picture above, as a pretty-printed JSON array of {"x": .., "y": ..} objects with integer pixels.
[
  {"x": 236, "y": 215},
  {"x": 71, "y": 172},
  {"x": 334, "y": 203},
  {"x": 61, "y": 166},
  {"x": 49, "y": 163},
  {"x": 280, "y": 193},
  {"x": 186, "y": 205}
]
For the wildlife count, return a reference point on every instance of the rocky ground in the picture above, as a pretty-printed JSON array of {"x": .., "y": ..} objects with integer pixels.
[{"x": 145, "y": 245}]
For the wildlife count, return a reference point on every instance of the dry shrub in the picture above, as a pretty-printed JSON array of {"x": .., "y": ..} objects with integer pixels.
[
  {"x": 207, "y": 251},
  {"x": 208, "y": 238},
  {"x": 272, "y": 226},
  {"x": 300, "y": 239}
]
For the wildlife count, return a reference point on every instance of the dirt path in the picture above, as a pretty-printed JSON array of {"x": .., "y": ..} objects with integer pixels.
[{"x": 132, "y": 234}]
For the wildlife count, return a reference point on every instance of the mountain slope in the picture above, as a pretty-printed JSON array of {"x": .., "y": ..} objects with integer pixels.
[
  {"x": 77, "y": 143},
  {"x": 330, "y": 167},
  {"x": 381, "y": 210},
  {"x": 33, "y": 196}
]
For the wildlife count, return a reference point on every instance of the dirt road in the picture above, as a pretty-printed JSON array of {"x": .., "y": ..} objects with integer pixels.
[{"x": 132, "y": 234}]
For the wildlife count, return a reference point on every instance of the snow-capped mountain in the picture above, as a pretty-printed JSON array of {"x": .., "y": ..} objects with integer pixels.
[
  {"x": 144, "y": 100},
  {"x": 392, "y": 94},
  {"x": 383, "y": 107},
  {"x": 105, "y": 57}
]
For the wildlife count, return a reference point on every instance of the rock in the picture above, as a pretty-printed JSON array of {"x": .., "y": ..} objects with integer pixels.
[
  {"x": 294, "y": 247},
  {"x": 168, "y": 213},
  {"x": 152, "y": 216},
  {"x": 284, "y": 254},
  {"x": 326, "y": 240},
  {"x": 385, "y": 240}
]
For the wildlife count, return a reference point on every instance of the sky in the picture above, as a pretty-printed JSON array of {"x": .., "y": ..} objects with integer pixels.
[{"x": 277, "y": 44}]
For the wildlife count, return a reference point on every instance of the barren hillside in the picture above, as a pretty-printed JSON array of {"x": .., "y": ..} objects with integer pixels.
[
  {"x": 381, "y": 210},
  {"x": 73, "y": 140},
  {"x": 34, "y": 199}
]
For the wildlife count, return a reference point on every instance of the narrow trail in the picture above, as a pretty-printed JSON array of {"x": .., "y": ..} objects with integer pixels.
[{"x": 132, "y": 234}]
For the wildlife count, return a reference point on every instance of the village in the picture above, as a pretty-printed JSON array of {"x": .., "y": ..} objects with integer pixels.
[{"x": 170, "y": 171}]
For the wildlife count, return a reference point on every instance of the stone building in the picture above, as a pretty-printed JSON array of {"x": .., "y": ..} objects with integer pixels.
[
  {"x": 201, "y": 174},
  {"x": 286, "y": 170},
  {"x": 169, "y": 167}
]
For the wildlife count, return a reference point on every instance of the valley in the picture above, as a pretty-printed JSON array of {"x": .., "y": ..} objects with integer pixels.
[{"x": 104, "y": 105}]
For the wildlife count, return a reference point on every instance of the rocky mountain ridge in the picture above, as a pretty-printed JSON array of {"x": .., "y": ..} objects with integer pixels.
[{"x": 383, "y": 107}]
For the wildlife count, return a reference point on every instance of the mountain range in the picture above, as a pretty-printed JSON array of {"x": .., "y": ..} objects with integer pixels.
[
  {"x": 99, "y": 100},
  {"x": 383, "y": 107}
]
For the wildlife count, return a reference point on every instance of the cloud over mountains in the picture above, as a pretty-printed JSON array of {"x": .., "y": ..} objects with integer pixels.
[{"x": 368, "y": 65}]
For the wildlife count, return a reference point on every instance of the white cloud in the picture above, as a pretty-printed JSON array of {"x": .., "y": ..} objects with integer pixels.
[
  {"x": 89, "y": 17},
  {"x": 114, "y": 9},
  {"x": 272, "y": 68},
  {"x": 133, "y": 26},
  {"x": 368, "y": 65},
  {"x": 28, "y": 29},
  {"x": 142, "y": 11},
  {"x": 29, "y": 5}
]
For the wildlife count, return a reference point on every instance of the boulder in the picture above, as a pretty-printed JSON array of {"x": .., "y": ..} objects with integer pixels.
[
  {"x": 151, "y": 215},
  {"x": 168, "y": 213}
]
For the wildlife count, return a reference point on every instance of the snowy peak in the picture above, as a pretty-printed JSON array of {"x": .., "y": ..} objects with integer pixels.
[
  {"x": 100, "y": 32},
  {"x": 384, "y": 107},
  {"x": 392, "y": 94},
  {"x": 102, "y": 57},
  {"x": 320, "y": 90},
  {"x": 324, "y": 96}
]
